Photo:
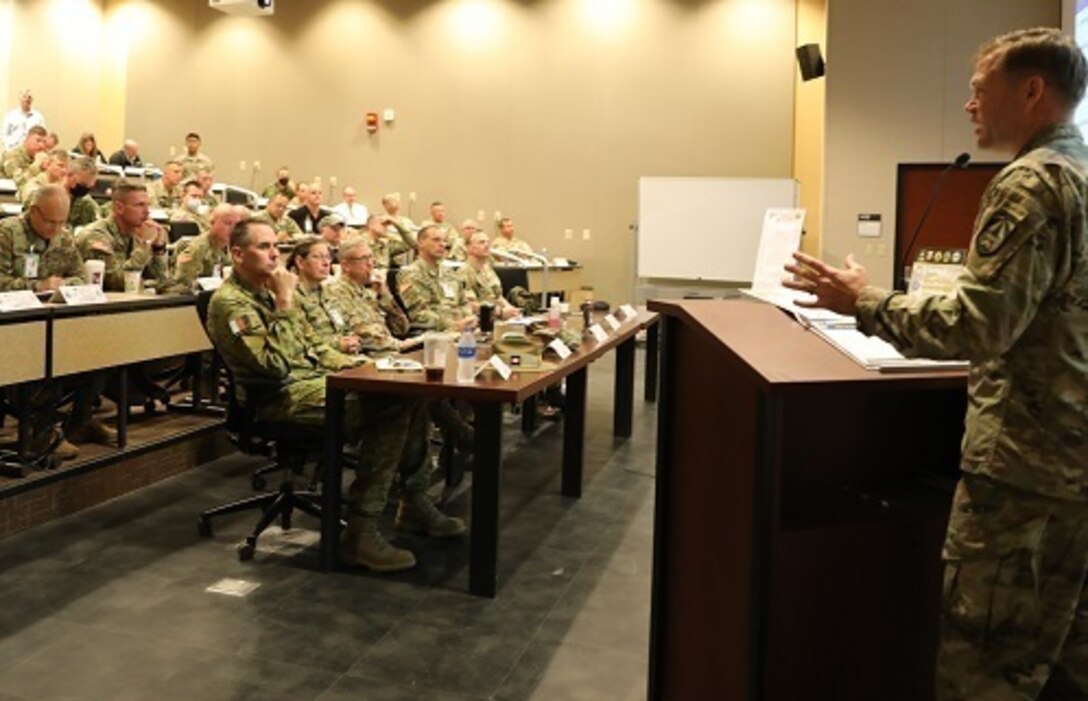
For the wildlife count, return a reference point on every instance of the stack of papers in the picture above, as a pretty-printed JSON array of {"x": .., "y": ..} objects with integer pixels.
[{"x": 780, "y": 238}]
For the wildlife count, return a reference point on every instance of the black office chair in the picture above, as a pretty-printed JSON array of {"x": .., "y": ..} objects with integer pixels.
[{"x": 289, "y": 447}]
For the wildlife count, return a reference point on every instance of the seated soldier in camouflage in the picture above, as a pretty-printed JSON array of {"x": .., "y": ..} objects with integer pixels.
[
  {"x": 38, "y": 253},
  {"x": 398, "y": 223},
  {"x": 275, "y": 215},
  {"x": 371, "y": 312},
  {"x": 479, "y": 279},
  {"x": 331, "y": 231},
  {"x": 457, "y": 246},
  {"x": 435, "y": 300},
  {"x": 206, "y": 178},
  {"x": 54, "y": 168},
  {"x": 81, "y": 177},
  {"x": 507, "y": 241},
  {"x": 386, "y": 247},
  {"x": 433, "y": 295},
  {"x": 448, "y": 230},
  {"x": 311, "y": 260},
  {"x": 209, "y": 253},
  {"x": 19, "y": 163},
  {"x": 127, "y": 239},
  {"x": 166, "y": 192},
  {"x": 258, "y": 330},
  {"x": 193, "y": 208}
]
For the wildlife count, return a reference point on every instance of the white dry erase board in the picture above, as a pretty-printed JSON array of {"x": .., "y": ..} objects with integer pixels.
[{"x": 705, "y": 228}]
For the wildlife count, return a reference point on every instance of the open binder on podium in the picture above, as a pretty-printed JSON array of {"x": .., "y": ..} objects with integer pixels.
[{"x": 780, "y": 238}]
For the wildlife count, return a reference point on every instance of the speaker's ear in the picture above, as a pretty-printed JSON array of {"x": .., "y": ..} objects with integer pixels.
[{"x": 810, "y": 61}]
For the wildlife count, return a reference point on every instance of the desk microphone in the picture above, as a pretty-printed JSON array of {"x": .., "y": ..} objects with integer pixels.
[{"x": 961, "y": 163}]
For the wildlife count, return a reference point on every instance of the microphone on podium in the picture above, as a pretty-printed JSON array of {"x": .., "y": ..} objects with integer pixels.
[{"x": 961, "y": 162}]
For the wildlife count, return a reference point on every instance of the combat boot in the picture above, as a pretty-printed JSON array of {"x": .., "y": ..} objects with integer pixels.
[
  {"x": 418, "y": 514},
  {"x": 65, "y": 450},
  {"x": 362, "y": 543},
  {"x": 94, "y": 431}
]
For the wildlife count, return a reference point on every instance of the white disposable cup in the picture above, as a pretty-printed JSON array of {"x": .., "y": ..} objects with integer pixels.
[
  {"x": 435, "y": 348},
  {"x": 93, "y": 272},
  {"x": 134, "y": 281}
]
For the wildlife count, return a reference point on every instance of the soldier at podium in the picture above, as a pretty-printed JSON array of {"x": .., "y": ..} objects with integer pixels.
[{"x": 1015, "y": 608}]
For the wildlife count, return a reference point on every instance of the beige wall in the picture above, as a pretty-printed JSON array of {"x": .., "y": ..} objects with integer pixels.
[
  {"x": 55, "y": 48},
  {"x": 896, "y": 85},
  {"x": 809, "y": 124},
  {"x": 539, "y": 110}
]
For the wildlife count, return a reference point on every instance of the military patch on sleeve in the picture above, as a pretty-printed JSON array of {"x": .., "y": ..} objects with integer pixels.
[
  {"x": 993, "y": 236},
  {"x": 238, "y": 325}
]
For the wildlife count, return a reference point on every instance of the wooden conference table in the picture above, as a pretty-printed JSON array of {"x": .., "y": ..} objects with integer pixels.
[
  {"x": 58, "y": 340},
  {"x": 487, "y": 397}
]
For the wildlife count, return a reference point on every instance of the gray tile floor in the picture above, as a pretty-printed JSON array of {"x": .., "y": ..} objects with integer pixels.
[{"x": 111, "y": 603}]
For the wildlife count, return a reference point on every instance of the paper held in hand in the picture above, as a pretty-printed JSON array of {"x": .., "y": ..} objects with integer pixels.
[{"x": 780, "y": 238}]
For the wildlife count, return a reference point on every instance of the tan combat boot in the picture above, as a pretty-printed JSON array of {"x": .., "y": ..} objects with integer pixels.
[
  {"x": 362, "y": 543},
  {"x": 417, "y": 514}
]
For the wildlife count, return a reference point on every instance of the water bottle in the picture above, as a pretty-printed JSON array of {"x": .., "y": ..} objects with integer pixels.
[
  {"x": 555, "y": 320},
  {"x": 466, "y": 357}
]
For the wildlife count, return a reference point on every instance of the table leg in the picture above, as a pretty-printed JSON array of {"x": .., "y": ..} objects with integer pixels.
[
  {"x": 486, "y": 480},
  {"x": 624, "y": 395},
  {"x": 331, "y": 478},
  {"x": 528, "y": 415},
  {"x": 574, "y": 433},
  {"x": 652, "y": 361},
  {"x": 122, "y": 408}
]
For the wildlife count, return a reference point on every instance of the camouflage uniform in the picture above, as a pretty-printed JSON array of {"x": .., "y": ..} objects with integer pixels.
[
  {"x": 388, "y": 248},
  {"x": 26, "y": 192},
  {"x": 1016, "y": 552},
  {"x": 204, "y": 257},
  {"x": 451, "y": 236},
  {"x": 456, "y": 249},
  {"x": 164, "y": 197},
  {"x": 181, "y": 214},
  {"x": 285, "y": 227},
  {"x": 262, "y": 345},
  {"x": 57, "y": 257},
  {"x": 275, "y": 189},
  {"x": 125, "y": 254},
  {"x": 433, "y": 296},
  {"x": 325, "y": 321},
  {"x": 191, "y": 165},
  {"x": 19, "y": 165},
  {"x": 377, "y": 322},
  {"x": 83, "y": 211},
  {"x": 511, "y": 244},
  {"x": 482, "y": 285}
]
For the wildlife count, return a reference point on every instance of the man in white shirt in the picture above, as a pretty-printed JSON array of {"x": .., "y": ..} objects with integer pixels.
[
  {"x": 18, "y": 120},
  {"x": 354, "y": 214}
]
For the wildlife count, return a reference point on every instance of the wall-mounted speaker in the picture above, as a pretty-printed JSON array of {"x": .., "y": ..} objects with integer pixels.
[{"x": 810, "y": 61}]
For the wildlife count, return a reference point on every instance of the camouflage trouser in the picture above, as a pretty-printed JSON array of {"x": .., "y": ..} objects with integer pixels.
[
  {"x": 1014, "y": 608},
  {"x": 453, "y": 420},
  {"x": 391, "y": 433}
]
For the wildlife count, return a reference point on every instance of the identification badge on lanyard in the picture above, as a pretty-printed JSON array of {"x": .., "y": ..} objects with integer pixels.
[
  {"x": 31, "y": 263},
  {"x": 449, "y": 289},
  {"x": 337, "y": 318}
]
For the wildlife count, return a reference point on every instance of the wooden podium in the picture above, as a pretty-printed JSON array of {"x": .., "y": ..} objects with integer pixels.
[{"x": 801, "y": 506}]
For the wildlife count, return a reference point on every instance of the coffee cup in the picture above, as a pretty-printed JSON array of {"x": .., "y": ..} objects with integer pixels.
[
  {"x": 94, "y": 271},
  {"x": 134, "y": 281}
]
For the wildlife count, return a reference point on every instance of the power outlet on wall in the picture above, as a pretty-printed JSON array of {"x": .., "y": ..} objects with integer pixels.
[
  {"x": 256, "y": 165},
  {"x": 568, "y": 234},
  {"x": 585, "y": 234}
]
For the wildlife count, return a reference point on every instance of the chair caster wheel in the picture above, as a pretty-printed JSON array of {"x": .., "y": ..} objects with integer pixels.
[
  {"x": 246, "y": 550},
  {"x": 259, "y": 483},
  {"x": 204, "y": 527}
]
